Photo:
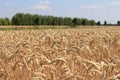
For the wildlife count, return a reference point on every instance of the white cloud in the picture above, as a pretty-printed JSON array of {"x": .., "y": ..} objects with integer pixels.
[
  {"x": 45, "y": 2},
  {"x": 114, "y": 3},
  {"x": 106, "y": 5},
  {"x": 92, "y": 6},
  {"x": 42, "y": 7}
]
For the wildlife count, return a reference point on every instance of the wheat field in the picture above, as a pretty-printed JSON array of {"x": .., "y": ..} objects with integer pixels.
[{"x": 70, "y": 54}]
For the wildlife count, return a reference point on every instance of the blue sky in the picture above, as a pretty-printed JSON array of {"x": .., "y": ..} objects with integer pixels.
[{"x": 99, "y": 10}]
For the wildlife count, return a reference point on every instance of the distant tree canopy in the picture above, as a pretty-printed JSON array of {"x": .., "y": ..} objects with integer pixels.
[
  {"x": 118, "y": 22},
  {"x": 98, "y": 23},
  {"x": 5, "y": 21},
  {"x": 35, "y": 20},
  {"x": 105, "y": 23},
  {"x": 29, "y": 19}
]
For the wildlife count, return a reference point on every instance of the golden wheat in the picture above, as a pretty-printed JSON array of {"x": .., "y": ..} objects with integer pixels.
[{"x": 72, "y": 54}]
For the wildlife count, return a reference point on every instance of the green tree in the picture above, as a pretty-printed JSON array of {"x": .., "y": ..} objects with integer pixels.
[
  {"x": 7, "y": 21},
  {"x": 91, "y": 22},
  {"x": 105, "y": 23},
  {"x": 118, "y": 22},
  {"x": 74, "y": 22},
  {"x": 18, "y": 19},
  {"x": 84, "y": 21},
  {"x": 60, "y": 21},
  {"x": 78, "y": 21},
  {"x": 98, "y": 23},
  {"x": 35, "y": 20},
  {"x": 67, "y": 21},
  {"x": 1, "y": 21},
  {"x": 28, "y": 19}
]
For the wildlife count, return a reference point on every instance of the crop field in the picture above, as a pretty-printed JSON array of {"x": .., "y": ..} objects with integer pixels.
[{"x": 62, "y": 54}]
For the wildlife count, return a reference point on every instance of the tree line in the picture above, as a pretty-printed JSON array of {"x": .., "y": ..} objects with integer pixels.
[
  {"x": 5, "y": 21},
  {"x": 34, "y": 19},
  {"x": 29, "y": 19}
]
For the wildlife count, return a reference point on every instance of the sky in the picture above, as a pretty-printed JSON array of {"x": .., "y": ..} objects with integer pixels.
[{"x": 99, "y": 10}]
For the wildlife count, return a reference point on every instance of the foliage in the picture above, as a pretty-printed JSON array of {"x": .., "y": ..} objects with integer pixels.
[
  {"x": 98, "y": 23},
  {"x": 118, "y": 22},
  {"x": 28, "y": 19},
  {"x": 4, "y": 21},
  {"x": 22, "y": 19},
  {"x": 105, "y": 23}
]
